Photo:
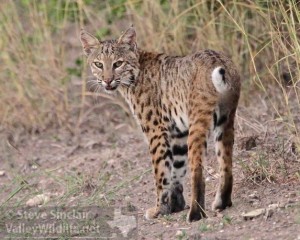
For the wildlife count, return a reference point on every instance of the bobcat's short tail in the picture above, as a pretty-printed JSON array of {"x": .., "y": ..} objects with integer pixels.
[{"x": 219, "y": 80}]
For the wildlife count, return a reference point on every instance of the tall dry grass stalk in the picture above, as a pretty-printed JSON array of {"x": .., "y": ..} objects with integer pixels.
[{"x": 33, "y": 74}]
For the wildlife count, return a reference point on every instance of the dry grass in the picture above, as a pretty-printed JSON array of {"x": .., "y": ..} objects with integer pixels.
[{"x": 43, "y": 76}]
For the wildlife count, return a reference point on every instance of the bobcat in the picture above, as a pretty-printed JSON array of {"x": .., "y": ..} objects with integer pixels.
[{"x": 175, "y": 100}]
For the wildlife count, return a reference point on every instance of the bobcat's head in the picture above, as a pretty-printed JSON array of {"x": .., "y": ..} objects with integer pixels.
[{"x": 113, "y": 62}]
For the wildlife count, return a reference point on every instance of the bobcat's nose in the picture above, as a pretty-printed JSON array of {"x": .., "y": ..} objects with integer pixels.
[
  {"x": 109, "y": 83},
  {"x": 108, "y": 80}
]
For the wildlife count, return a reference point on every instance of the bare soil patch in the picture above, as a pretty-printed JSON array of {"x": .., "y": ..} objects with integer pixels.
[{"x": 106, "y": 163}]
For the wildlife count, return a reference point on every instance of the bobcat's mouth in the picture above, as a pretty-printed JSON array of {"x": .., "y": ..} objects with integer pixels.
[{"x": 110, "y": 88}]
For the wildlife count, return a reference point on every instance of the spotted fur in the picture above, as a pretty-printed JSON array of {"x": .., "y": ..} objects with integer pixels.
[{"x": 174, "y": 99}]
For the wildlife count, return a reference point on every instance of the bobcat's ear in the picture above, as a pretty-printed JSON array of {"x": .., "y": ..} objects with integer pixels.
[
  {"x": 129, "y": 37},
  {"x": 89, "y": 42}
]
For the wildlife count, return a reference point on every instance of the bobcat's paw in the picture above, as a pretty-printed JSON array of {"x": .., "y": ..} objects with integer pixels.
[
  {"x": 152, "y": 213},
  {"x": 221, "y": 204},
  {"x": 195, "y": 213},
  {"x": 177, "y": 202}
]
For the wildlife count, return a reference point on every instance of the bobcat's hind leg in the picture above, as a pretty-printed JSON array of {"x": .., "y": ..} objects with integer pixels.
[
  {"x": 200, "y": 117},
  {"x": 224, "y": 139}
]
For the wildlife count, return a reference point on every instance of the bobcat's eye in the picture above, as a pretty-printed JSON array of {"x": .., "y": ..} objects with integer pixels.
[
  {"x": 117, "y": 64},
  {"x": 98, "y": 64}
]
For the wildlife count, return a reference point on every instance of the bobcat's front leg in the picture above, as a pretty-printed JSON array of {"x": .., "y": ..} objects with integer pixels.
[{"x": 168, "y": 193}]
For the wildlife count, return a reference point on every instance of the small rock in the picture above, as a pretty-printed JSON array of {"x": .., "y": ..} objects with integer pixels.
[
  {"x": 292, "y": 194},
  {"x": 249, "y": 143},
  {"x": 101, "y": 196},
  {"x": 37, "y": 200},
  {"x": 281, "y": 205},
  {"x": 179, "y": 233},
  {"x": 254, "y": 213},
  {"x": 253, "y": 195},
  {"x": 127, "y": 199},
  {"x": 2, "y": 173},
  {"x": 273, "y": 206}
]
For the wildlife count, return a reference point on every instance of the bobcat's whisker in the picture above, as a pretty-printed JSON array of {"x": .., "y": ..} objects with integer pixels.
[{"x": 91, "y": 82}]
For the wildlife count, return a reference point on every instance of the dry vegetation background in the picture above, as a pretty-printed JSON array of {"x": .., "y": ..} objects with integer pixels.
[{"x": 43, "y": 75}]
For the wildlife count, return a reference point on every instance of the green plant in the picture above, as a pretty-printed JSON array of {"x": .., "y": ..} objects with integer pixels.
[
  {"x": 226, "y": 219},
  {"x": 182, "y": 236},
  {"x": 204, "y": 227}
]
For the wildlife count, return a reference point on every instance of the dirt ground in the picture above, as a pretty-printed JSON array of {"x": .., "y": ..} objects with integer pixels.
[{"x": 106, "y": 162}]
